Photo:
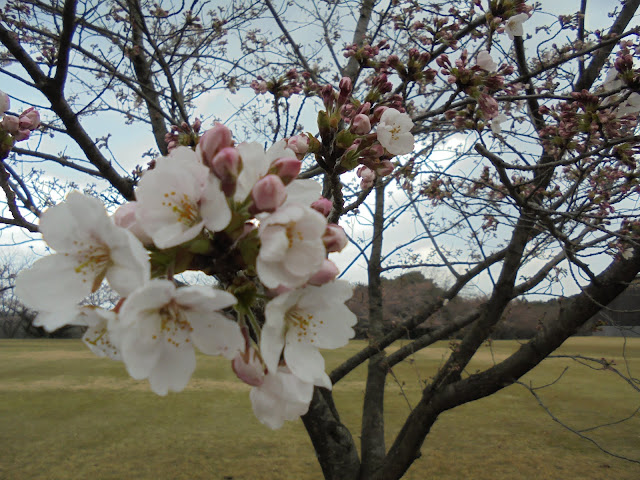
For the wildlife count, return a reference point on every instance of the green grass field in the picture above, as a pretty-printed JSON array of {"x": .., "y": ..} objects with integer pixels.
[{"x": 65, "y": 414}]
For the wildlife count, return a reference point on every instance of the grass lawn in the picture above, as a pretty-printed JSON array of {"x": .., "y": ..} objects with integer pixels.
[{"x": 65, "y": 414}]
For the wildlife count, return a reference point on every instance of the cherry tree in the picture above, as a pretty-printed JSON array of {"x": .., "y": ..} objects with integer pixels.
[{"x": 501, "y": 137}]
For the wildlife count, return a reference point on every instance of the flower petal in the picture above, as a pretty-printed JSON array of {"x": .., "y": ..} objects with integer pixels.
[
  {"x": 305, "y": 361},
  {"x": 173, "y": 369},
  {"x": 215, "y": 334}
]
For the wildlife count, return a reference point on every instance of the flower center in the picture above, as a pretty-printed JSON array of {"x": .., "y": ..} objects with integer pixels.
[
  {"x": 293, "y": 234},
  {"x": 302, "y": 322},
  {"x": 395, "y": 132},
  {"x": 174, "y": 326},
  {"x": 93, "y": 260},
  {"x": 186, "y": 210}
]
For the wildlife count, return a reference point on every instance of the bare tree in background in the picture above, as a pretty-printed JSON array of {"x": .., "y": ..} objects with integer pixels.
[{"x": 538, "y": 201}]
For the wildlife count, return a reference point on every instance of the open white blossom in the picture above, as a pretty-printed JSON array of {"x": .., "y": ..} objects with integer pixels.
[
  {"x": 89, "y": 248},
  {"x": 496, "y": 121},
  {"x": 484, "y": 61},
  {"x": 514, "y": 25},
  {"x": 178, "y": 198},
  {"x": 4, "y": 102},
  {"x": 629, "y": 104},
  {"x": 281, "y": 396},
  {"x": 394, "y": 132},
  {"x": 102, "y": 333},
  {"x": 160, "y": 325},
  {"x": 291, "y": 248},
  {"x": 303, "y": 192},
  {"x": 300, "y": 322}
]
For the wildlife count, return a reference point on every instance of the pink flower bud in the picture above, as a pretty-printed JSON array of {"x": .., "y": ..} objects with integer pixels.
[
  {"x": 323, "y": 205},
  {"x": 488, "y": 105},
  {"x": 259, "y": 86},
  {"x": 287, "y": 168},
  {"x": 268, "y": 193},
  {"x": 345, "y": 86},
  {"x": 226, "y": 164},
  {"x": 377, "y": 113},
  {"x": 361, "y": 124},
  {"x": 327, "y": 273},
  {"x": 334, "y": 238},
  {"x": 214, "y": 140},
  {"x": 248, "y": 368},
  {"x": 22, "y": 135},
  {"x": 385, "y": 168},
  {"x": 125, "y": 217},
  {"x": 4, "y": 102},
  {"x": 10, "y": 124},
  {"x": 29, "y": 119},
  {"x": 299, "y": 144},
  {"x": 368, "y": 177}
]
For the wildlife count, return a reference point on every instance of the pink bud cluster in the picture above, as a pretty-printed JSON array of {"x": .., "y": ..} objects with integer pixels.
[
  {"x": 292, "y": 83},
  {"x": 183, "y": 135},
  {"x": 20, "y": 127}
]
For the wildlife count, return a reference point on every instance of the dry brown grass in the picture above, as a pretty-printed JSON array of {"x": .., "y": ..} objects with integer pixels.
[{"x": 67, "y": 415}]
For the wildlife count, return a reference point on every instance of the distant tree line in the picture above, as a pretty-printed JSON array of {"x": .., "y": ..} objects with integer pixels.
[{"x": 407, "y": 294}]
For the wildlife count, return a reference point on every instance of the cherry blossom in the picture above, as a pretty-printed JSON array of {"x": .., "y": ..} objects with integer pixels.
[
  {"x": 160, "y": 325},
  {"x": 281, "y": 396},
  {"x": 255, "y": 165},
  {"x": 394, "y": 132},
  {"x": 484, "y": 61},
  {"x": 89, "y": 248},
  {"x": 291, "y": 249},
  {"x": 300, "y": 321},
  {"x": 513, "y": 26},
  {"x": 4, "y": 102},
  {"x": 495, "y": 123},
  {"x": 101, "y": 335},
  {"x": 178, "y": 198}
]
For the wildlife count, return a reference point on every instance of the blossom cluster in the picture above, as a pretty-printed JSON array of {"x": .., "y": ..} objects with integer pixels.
[
  {"x": 235, "y": 212},
  {"x": 15, "y": 128}
]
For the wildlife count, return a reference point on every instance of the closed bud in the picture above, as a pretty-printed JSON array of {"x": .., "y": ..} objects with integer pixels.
[
  {"x": 11, "y": 124},
  {"x": 327, "y": 273},
  {"x": 334, "y": 238},
  {"x": 29, "y": 119},
  {"x": 214, "y": 140},
  {"x": 345, "y": 86},
  {"x": 287, "y": 168},
  {"x": 268, "y": 194},
  {"x": 361, "y": 125},
  {"x": 226, "y": 164},
  {"x": 299, "y": 144},
  {"x": 384, "y": 168},
  {"x": 248, "y": 368},
  {"x": 323, "y": 205},
  {"x": 377, "y": 113}
]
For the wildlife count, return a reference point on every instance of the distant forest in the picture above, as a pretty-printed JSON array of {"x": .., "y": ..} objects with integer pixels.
[{"x": 405, "y": 295}]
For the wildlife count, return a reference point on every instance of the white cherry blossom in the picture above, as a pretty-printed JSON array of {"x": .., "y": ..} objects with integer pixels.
[
  {"x": 300, "y": 322},
  {"x": 484, "y": 61},
  {"x": 303, "y": 192},
  {"x": 89, "y": 248},
  {"x": 255, "y": 165},
  {"x": 4, "y": 102},
  {"x": 513, "y": 26},
  {"x": 496, "y": 121},
  {"x": 394, "y": 132},
  {"x": 281, "y": 396},
  {"x": 178, "y": 198},
  {"x": 102, "y": 333},
  {"x": 291, "y": 248},
  {"x": 160, "y": 325}
]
